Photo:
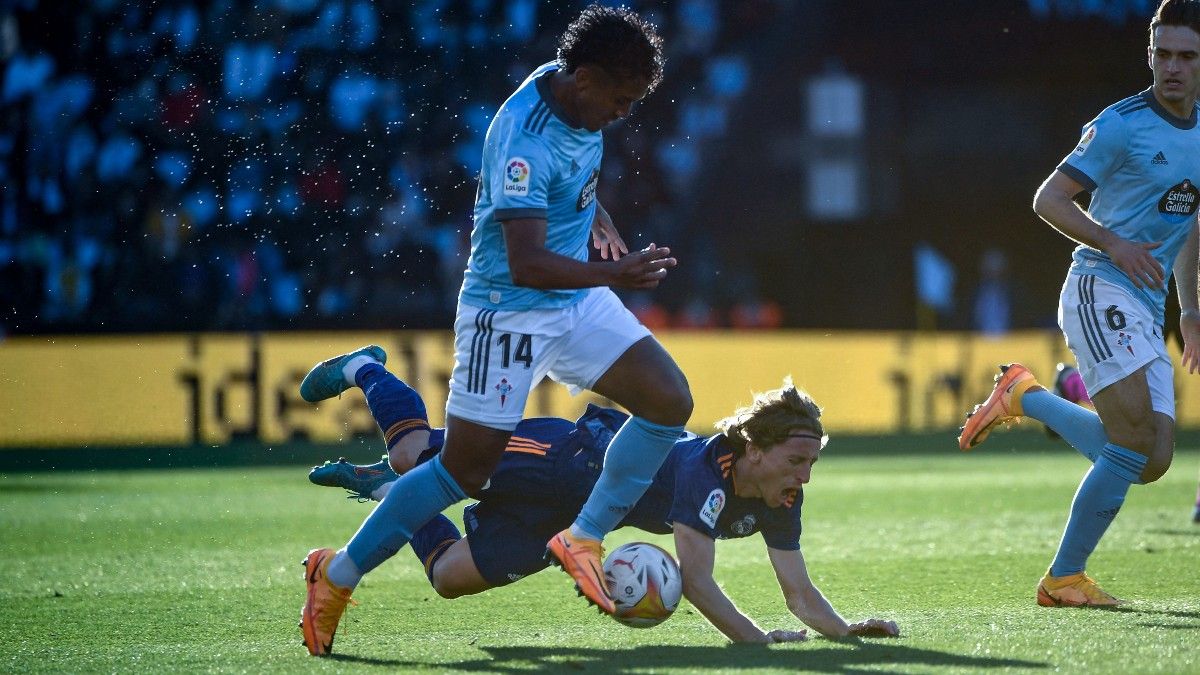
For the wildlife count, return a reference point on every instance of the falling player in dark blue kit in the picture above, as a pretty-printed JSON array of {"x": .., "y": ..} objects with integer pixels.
[{"x": 747, "y": 479}]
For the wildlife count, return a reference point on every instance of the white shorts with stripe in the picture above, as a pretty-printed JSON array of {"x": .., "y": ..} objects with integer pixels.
[
  {"x": 1112, "y": 336},
  {"x": 499, "y": 356}
]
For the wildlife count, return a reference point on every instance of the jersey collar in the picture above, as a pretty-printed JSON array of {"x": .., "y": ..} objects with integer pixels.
[
  {"x": 543, "y": 87},
  {"x": 1162, "y": 112}
]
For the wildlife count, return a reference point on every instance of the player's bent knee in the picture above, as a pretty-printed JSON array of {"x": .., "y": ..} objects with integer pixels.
[
  {"x": 472, "y": 481},
  {"x": 470, "y": 477},
  {"x": 1139, "y": 439},
  {"x": 443, "y": 579},
  {"x": 403, "y": 454},
  {"x": 671, "y": 404},
  {"x": 398, "y": 463},
  {"x": 446, "y": 588},
  {"x": 451, "y": 585},
  {"x": 448, "y": 591},
  {"x": 1157, "y": 465},
  {"x": 678, "y": 404},
  {"x": 1153, "y": 472}
]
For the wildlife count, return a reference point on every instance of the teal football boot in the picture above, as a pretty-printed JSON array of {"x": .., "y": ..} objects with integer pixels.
[
  {"x": 325, "y": 379},
  {"x": 358, "y": 479}
]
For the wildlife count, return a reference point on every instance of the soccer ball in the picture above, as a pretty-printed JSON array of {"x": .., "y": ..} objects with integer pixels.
[{"x": 645, "y": 583}]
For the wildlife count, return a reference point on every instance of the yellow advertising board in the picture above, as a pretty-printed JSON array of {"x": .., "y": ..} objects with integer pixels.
[
  {"x": 214, "y": 388},
  {"x": 76, "y": 391}
]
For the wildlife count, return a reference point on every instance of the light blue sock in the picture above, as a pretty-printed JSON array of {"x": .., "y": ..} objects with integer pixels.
[
  {"x": 1096, "y": 504},
  {"x": 633, "y": 457},
  {"x": 414, "y": 499},
  {"x": 1077, "y": 425},
  {"x": 342, "y": 571}
]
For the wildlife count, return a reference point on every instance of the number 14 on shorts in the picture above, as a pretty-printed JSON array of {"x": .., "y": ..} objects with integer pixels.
[{"x": 523, "y": 353}]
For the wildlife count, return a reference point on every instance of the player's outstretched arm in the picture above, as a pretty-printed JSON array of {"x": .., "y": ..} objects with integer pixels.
[
  {"x": 810, "y": 606},
  {"x": 1187, "y": 280},
  {"x": 1055, "y": 204},
  {"x": 697, "y": 554}
]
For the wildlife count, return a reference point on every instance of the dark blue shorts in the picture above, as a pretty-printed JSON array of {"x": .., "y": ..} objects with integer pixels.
[
  {"x": 532, "y": 496},
  {"x": 508, "y": 540}
]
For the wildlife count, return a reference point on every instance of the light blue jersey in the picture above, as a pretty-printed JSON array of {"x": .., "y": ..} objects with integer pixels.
[
  {"x": 1141, "y": 165},
  {"x": 535, "y": 165}
]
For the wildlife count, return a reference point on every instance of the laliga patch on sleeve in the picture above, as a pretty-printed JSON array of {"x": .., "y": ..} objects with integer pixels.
[
  {"x": 712, "y": 507},
  {"x": 1086, "y": 140},
  {"x": 516, "y": 176}
]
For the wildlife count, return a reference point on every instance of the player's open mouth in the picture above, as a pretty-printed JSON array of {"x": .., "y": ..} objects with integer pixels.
[{"x": 789, "y": 493}]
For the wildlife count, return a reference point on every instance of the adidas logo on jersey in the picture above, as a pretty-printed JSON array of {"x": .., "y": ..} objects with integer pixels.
[{"x": 1159, "y": 159}]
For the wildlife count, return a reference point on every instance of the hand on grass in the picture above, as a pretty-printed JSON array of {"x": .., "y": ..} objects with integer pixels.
[
  {"x": 777, "y": 636},
  {"x": 875, "y": 628}
]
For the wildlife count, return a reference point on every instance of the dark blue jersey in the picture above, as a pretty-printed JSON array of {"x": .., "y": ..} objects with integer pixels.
[
  {"x": 694, "y": 486},
  {"x": 550, "y": 467}
]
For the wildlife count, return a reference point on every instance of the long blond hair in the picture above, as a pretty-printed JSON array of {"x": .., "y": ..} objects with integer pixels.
[{"x": 772, "y": 417}]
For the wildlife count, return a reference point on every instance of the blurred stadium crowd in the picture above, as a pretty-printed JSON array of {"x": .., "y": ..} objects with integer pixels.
[
  {"x": 297, "y": 164},
  {"x": 265, "y": 164}
]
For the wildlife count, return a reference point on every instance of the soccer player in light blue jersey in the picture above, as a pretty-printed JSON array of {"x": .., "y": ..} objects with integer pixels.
[
  {"x": 747, "y": 480},
  {"x": 532, "y": 306},
  {"x": 1140, "y": 161}
]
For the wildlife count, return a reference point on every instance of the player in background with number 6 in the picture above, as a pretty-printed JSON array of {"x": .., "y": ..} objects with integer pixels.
[
  {"x": 551, "y": 465},
  {"x": 1139, "y": 160},
  {"x": 532, "y": 306}
]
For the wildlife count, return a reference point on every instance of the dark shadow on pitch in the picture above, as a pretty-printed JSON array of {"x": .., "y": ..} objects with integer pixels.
[
  {"x": 1163, "y": 612},
  {"x": 39, "y": 487},
  {"x": 812, "y": 656},
  {"x": 1189, "y": 531},
  {"x": 1172, "y": 626},
  {"x": 369, "y": 661},
  {"x": 1168, "y": 625}
]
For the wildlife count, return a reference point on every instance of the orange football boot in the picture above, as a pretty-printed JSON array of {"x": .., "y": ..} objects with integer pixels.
[
  {"x": 581, "y": 559},
  {"x": 1073, "y": 590},
  {"x": 325, "y": 604},
  {"x": 1002, "y": 406}
]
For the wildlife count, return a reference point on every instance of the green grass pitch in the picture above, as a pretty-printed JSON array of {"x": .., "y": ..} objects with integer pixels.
[{"x": 198, "y": 570}]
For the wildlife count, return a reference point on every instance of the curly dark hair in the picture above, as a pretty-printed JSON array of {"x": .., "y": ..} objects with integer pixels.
[
  {"x": 772, "y": 417},
  {"x": 1177, "y": 13},
  {"x": 616, "y": 40}
]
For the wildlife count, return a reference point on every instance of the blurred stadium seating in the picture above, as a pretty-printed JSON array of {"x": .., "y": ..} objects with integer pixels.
[
  {"x": 296, "y": 163},
  {"x": 309, "y": 164}
]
